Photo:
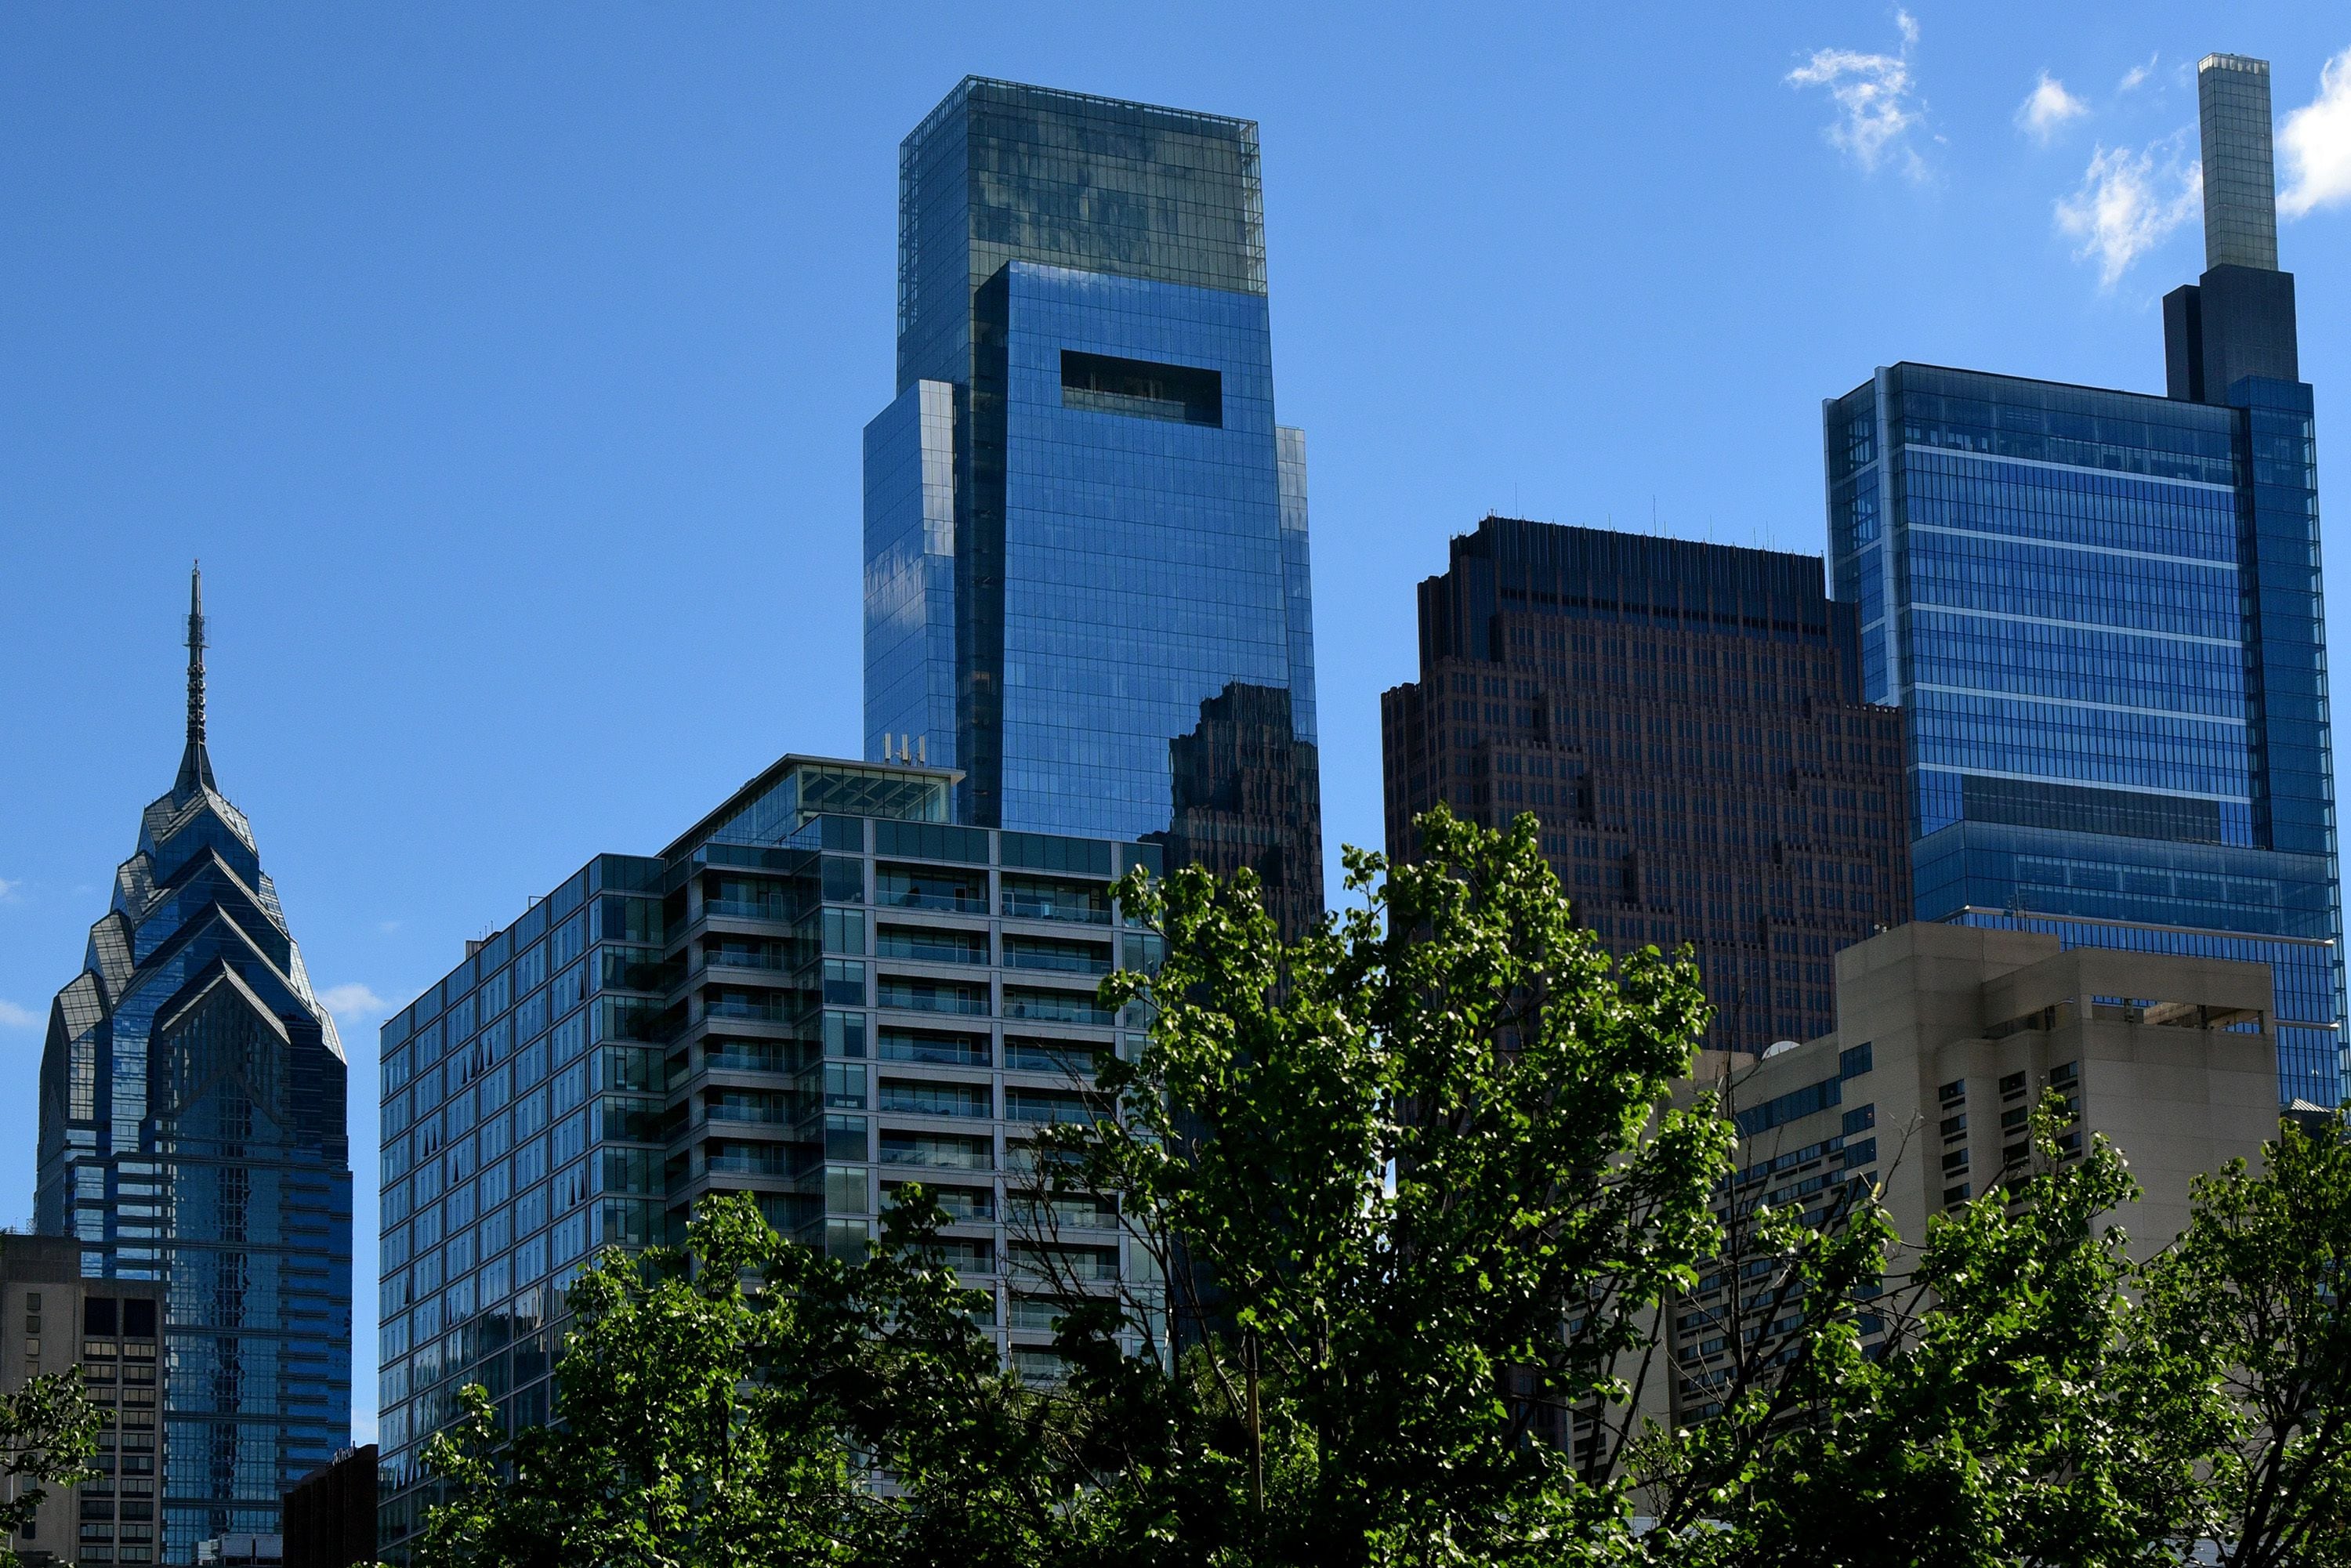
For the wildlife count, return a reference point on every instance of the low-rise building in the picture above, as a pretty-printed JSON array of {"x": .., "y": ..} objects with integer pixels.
[
  {"x": 1947, "y": 1037},
  {"x": 60, "y": 1321},
  {"x": 330, "y": 1514}
]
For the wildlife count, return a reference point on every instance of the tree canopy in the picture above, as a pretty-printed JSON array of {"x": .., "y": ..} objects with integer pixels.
[{"x": 1412, "y": 1202}]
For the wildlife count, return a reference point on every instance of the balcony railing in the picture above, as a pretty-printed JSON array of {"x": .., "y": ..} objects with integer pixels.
[
  {"x": 748, "y": 908},
  {"x": 757, "y": 1012},
  {"x": 1028, "y": 908},
  {"x": 1024, "y": 1106},
  {"x": 923, "y": 999},
  {"x": 950, "y": 903},
  {"x": 1062, "y": 960},
  {"x": 1055, "y": 1006}
]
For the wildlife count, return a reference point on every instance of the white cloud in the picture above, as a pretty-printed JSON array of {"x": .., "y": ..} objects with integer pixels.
[
  {"x": 10, "y": 891},
  {"x": 1876, "y": 106},
  {"x": 14, "y": 1016},
  {"x": 2317, "y": 142},
  {"x": 2048, "y": 108},
  {"x": 2137, "y": 74},
  {"x": 2129, "y": 202},
  {"x": 353, "y": 1003}
]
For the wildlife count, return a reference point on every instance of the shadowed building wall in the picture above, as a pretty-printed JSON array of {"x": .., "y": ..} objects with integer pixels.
[{"x": 1684, "y": 720}]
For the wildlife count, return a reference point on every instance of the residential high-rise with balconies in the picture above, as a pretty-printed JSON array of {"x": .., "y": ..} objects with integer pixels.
[
  {"x": 2101, "y": 612},
  {"x": 1085, "y": 535},
  {"x": 822, "y": 990},
  {"x": 192, "y": 1135}
]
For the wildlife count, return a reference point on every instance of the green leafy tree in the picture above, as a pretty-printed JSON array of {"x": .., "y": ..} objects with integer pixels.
[
  {"x": 1413, "y": 1216},
  {"x": 48, "y": 1431},
  {"x": 754, "y": 1402},
  {"x": 2250, "y": 1304},
  {"x": 2006, "y": 1417},
  {"x": 1415, "y": 1203}
]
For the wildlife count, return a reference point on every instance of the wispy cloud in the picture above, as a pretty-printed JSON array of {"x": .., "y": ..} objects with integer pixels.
[
  {"x": 14, "y": 1016},
  {"x": 2047, "y": 109},
  {"x": 2137, "y": 74},
  {"x": 2316, "y": 141},
  {"x": 354, "y": 1003},
  {"x": 2130, "y": 202},
  {"x": 390, "y": 927},
  {"x": 1876, "y": 103},
  {"x": 11, "y": 891}
]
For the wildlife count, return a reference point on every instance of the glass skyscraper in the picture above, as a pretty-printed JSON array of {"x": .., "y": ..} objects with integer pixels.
[
  {"x": 823, "y": 990},
  {"x": 2102, "y": 612},
  {"x": 1085, "y": 535},
  {"x": 192, "y": 1132}
]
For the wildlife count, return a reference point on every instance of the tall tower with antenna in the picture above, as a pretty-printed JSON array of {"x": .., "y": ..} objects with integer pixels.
[{"x": 193, "y": 1133}]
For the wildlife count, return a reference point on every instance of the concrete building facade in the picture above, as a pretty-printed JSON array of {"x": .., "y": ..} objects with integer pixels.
[
  {"x": 59, "y": 1321},
  {"x": 1947, "y": 1037}
]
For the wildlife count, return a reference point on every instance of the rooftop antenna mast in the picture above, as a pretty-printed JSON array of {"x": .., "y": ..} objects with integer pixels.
[{"x": 195, "y": 764}]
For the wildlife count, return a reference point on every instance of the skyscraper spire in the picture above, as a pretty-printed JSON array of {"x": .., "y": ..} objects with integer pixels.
[{"x": 195, "y": 764}]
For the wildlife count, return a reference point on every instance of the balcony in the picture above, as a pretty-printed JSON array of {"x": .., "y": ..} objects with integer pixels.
[
  {"x": 931, "y": 947},
  {"x": 736, "y": 1008},
  {"x": 775, "y": 909},
  {"x": 1030, "y": 1105},
  {"x": 1055, "y": 1006},
  {"x": 944, "y": 903},
  {"x": 1060, "y": 957},
  {"x": 774, "y": 1109},
  {"x": 1028, "y": 898},
  {"x": 916, "y": 1099},
  {"x": 932, "y": 996},
  {"x": 937, "y": 1151}
]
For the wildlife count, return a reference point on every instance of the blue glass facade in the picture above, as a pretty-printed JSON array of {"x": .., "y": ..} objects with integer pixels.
[
  {"x": 1083, "y": 523},
  {"x": 193, "y": 1131},
  {"x": 2100, "y": 611}
]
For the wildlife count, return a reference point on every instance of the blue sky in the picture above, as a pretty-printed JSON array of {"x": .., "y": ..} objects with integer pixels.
[{"x": 505, "y": 366}]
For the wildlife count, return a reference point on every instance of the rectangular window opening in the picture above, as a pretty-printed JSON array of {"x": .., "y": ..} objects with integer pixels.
[{"x": 1142, "y": 388}]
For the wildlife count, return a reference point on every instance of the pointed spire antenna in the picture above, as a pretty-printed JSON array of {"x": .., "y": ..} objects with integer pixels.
[
  {"x": 196, "y": 655},
  {"x": 195, "y": 764}
]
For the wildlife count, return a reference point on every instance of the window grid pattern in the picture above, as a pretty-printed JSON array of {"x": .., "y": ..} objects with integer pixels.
[
  {"x": 711, "y": 1020},
  {"x": 2088, "y": 593},
  {"x": 192, "y": 1133}
]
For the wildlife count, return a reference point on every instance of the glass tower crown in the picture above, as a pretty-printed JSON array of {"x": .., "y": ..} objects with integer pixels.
[
  {"x": 193, "y": 1131},
  {"x": 2102, "y": 610},
  {"x": 1087, "y": 583}
]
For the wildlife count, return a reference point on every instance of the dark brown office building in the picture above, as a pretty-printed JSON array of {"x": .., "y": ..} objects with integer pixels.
[
  {"x": 1247, "y": 793},
  {"x": 1685, "y": 721},
  {"x": 330, "y": 1514}
]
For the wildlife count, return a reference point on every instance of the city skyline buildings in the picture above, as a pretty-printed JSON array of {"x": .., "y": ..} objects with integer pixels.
[
  {"x": 1082, "y": 523},
  {"x": 192, "y": 1133},
  {"x": 2100, "y": 611},
  {"x": 361, "y": 953}
]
